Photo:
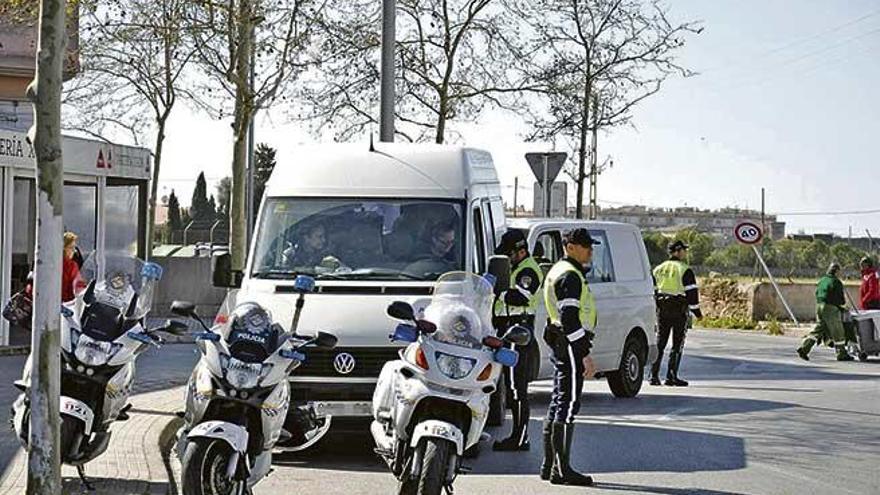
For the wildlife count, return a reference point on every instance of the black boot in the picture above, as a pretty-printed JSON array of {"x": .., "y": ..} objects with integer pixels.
[
  {"x": 562, "y": 473},
  {"x": 655, "y": 371},
  {"x": 519, "y": 436},
  {"x": 672, "y": 378},
  {"x": 547, "y": 463}
]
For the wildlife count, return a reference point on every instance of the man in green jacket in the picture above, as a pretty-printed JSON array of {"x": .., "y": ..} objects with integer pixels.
[{"x": 830, "y": 304}]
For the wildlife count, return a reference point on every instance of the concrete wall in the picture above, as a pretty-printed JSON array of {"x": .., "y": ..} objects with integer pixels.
[
  {"x": 187, "y": 279},
  {"x": 801, "y": 299}
]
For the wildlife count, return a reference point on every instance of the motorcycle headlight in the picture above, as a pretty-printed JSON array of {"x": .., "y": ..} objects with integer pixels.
[
  {"x": 91, "y": 352},
  {"x": 454, "y": 367},
  {"x": 243, "y": 375}
]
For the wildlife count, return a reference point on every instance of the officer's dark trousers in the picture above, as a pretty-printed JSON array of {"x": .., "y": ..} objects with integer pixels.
[
  {"x": 568, "y": 383},
  {"x": 672, "y": 319},
  {"x": 517, "y": 378}
]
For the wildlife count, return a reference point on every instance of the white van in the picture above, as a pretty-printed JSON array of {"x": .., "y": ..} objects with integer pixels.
[
  {"x": 372, "y": 225},
  {"x": 621, "y": 282}
]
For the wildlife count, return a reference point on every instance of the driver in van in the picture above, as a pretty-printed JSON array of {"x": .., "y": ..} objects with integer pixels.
[
  {"x": 312, "y": 248},
  {"x": 517, "y": 305},
  {"x": 440, "y": 243}
]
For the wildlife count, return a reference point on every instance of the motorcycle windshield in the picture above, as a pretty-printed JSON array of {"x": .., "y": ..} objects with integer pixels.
[
  {"x": 461, "y": 307},
  {"x": 117, "y": 280}
]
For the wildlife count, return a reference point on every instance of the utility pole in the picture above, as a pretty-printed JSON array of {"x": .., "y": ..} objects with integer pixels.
[
  {"x": 594, "y": 171},
  {"x": 386, "y": 94},
  {"x": 44, "y": 460},
  {"x": 515, "y": 191}
]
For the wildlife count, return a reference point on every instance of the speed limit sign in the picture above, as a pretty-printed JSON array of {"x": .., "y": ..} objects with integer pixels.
[{"x": 748, "y": 233}]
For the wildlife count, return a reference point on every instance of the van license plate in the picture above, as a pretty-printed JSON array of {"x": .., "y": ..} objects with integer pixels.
[{"x": 342, "y": 409}]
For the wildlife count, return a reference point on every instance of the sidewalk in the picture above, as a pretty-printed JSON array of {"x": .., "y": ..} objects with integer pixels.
[{"x": 133, "y": 463}]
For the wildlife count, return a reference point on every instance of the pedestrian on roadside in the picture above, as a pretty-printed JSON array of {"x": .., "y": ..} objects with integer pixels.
[
  {"x": 572, "y": 319},
  {"x": 69, "y": 268},
  {"x": 516, "y": 306},
  {"x": 830, "y": 302},
  {"x": 869, "y": 292},
  {"x": 677, "y": 295}
]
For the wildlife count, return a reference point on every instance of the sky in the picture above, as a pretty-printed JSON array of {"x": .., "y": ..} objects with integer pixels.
[{"x": 784, "y": 99}]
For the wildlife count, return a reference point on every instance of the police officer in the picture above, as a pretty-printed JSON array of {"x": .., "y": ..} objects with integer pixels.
[
  {"x": 517, "y": 306},
  {"x": 571, "y": 312},
  {"x": 676, "y": 293}
]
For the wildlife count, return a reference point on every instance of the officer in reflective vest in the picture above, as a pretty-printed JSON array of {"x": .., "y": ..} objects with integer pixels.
[
  {"x": 676, "y": 294},
  {"x": 517, "y": 306},
  {"x": 572, "y": 318}
]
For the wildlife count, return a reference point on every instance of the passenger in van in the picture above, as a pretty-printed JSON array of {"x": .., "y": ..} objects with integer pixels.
[{"x": 312, "y": 248}]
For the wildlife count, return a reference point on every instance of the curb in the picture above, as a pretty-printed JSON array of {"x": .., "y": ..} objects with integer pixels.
[{"x": 166, "y": 447}]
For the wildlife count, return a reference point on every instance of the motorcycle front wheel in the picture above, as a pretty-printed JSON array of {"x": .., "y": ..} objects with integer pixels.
[
  {"x": 205, "y": 465},
  {"x": 72, "y": 431},
  {"x": 435, "y": 465}
]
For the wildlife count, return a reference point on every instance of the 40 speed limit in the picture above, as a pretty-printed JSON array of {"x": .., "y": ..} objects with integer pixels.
[{"x": 748, "y": 233}]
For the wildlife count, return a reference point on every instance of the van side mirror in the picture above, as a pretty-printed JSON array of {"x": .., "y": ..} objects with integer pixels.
[
  {"x": 183, "y": 308},
  {"x": 499, "y": 267},
  {"x": 400, "y": 310},
  {"x": 222, "y": 274}
]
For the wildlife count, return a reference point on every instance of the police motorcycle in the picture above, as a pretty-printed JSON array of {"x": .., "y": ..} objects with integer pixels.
[
  {"x": 238, "y": 396},
  {"x": 102, "y": 334},
  {"x": 431, "y": 405}
]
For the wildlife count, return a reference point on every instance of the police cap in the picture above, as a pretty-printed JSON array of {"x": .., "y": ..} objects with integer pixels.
[
  {"x": 675, "y": 246},
  {"x": 579, "y": 236},
  {"x": 512, "y": 241}
]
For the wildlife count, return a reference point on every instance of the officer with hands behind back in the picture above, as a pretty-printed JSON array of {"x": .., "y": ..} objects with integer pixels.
[
  {"x": 572, "y": 318},
  {"x": 676, "y": 294},
  {"x": 516, "y": 306}
]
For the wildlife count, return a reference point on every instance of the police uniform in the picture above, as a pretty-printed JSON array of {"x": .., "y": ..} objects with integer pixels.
[
  {"x": 516, "y": 306},
  {"x": 676, "y": 294},
  {"x": 572, "y": 318}
]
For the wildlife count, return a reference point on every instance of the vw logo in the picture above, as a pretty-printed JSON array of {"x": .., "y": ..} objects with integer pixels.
[{"x": 344, "y": 363}]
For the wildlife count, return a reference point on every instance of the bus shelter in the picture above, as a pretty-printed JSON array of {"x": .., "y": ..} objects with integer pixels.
[{"x": 105, "y": 205}]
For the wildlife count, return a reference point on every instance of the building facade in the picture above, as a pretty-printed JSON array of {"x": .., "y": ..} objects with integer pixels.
[{"x": 719, "y": 223}]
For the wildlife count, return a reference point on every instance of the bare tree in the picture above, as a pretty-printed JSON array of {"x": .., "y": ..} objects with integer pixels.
[
  {"x": 250, "y": 50},
  {"x": 454, "y": 58},
  {"x": 134, "y": 56},
  {"x": 607, "y": 54},
  {"x": 44, "y": 469}
]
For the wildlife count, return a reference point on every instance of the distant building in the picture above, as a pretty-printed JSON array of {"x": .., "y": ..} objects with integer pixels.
[{"x": 719, "y": 223}]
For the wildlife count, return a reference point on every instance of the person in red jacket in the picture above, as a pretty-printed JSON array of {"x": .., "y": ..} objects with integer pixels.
[
  {"x": 69, "y": 268},
  {"x": 869, "y": 294}
]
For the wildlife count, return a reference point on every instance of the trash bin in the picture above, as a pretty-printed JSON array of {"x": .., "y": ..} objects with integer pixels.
[{"x": 867, "y": 333}]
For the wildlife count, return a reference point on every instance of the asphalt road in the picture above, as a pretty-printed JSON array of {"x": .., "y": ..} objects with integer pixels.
[{"x": 755, "y": 420}]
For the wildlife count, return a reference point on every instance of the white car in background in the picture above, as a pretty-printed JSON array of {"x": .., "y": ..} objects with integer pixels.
[{"x": 621, "y": 281}]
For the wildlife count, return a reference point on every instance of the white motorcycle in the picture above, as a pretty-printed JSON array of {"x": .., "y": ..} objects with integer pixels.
[
  {"x": 431, "y": 405},
  {"x": 238, "y": 397},
  {"x": 102, "y": 334}
]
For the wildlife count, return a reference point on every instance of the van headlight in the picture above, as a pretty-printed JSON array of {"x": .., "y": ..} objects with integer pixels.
[
  {"x": 91, "y": 352},
  {"x": 242, "y": 375},
  {"x": 454, "y": 367}
]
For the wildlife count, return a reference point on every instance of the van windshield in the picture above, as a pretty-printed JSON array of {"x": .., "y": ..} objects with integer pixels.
[{"x": 359, "y": 239}]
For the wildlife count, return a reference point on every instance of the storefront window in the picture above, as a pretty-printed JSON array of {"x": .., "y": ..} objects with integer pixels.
[
  {"x": 24, "y": 211},
  {"x": 81, "y": 215},
  {"x": 121, "y": 208}
]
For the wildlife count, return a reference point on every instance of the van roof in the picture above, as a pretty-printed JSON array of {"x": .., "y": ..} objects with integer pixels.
[
  {"x": 391, "y": 170},
  {"x": 564, "y": 223}
]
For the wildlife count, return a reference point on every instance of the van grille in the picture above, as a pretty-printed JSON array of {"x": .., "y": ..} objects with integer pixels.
[{"x": 368, "y": 361}]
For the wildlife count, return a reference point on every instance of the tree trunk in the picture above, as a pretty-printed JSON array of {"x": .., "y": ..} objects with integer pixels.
[
  {"x": 582, "y": 149},
  {"x": 441, "y": 121},
  {"x": 154, "y": 188},
  {"x": 243, "y": 115},
  {"x": 44, "y": 470}
]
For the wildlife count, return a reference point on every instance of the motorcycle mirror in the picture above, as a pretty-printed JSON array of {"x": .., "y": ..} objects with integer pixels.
[
  {"x": 518, "y": 335},
  {"x": 325, "y": 340},
  {"x": 89, "y": 296},
  {"x": 499, "y": 267},
  {"x": 426, "y": 326},
  {"x": 183, "y": 308},
  {"x": 400, "y": 310},
  {"x": 174, "y": 327}
]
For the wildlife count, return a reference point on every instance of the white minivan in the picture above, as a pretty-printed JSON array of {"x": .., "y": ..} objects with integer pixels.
[
  {"x": 372, "y": 225},
  {"x": 620, "y": 279}
]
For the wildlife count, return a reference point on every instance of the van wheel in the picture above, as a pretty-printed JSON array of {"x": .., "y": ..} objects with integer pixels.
[
  {"x": 498, "y": 404},
  {"x": 626, "y": 381}
]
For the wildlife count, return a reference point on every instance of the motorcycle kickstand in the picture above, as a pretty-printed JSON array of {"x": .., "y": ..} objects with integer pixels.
[{"x": 81, "y": 471}]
